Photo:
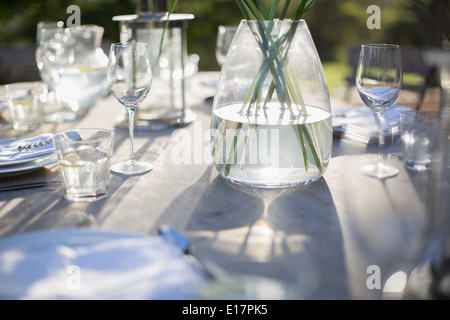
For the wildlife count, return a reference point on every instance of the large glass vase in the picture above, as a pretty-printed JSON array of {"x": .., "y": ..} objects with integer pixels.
[{"x": 271, "y": 117}]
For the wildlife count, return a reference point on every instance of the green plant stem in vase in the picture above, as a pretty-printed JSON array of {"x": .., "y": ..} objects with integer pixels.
[{"x": 271, "y": 123}]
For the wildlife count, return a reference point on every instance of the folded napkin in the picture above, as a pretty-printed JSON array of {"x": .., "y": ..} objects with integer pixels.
[
  {"x": 26, "y": 149},
  {"x": 364, "y": 117},
  {"x": 122, "y": 268}
]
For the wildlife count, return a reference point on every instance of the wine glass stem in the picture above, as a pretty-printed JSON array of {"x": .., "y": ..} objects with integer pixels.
[
  {"x": 131, "y": 112},
  {"x": 381, "y": 142}
]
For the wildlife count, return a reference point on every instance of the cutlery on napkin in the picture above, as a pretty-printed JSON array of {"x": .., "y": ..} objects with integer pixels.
[{"x": 28, "y": 148}]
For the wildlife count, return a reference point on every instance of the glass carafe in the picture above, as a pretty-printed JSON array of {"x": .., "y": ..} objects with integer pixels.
[
  {"x": 83, "y": 80},
  {"x": 271, "y": 117}
]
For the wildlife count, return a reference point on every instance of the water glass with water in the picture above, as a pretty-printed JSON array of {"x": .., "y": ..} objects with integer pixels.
[
  {"x": 84, "y": 161},
  {"x": 419, "y": 133},
  {"x": 25, "y": 104}
]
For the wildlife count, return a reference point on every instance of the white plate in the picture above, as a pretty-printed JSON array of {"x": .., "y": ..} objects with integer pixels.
[
  {"x": 94, "y": 264},
  {"x": 21, "y": 162},
  {"x": 28, "y": 166}
]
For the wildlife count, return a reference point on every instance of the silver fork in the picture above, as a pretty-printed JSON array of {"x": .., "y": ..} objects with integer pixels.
[{"x": 37, "y": 144}]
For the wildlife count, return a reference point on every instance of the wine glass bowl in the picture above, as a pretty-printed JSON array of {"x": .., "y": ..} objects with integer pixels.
[
  {"x": 379, "y": 99},
  {"x": 379, "y": 79},
  {"x": 129, "y": 78}
]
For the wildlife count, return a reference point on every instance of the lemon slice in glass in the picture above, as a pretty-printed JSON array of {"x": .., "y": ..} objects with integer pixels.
[
  {"x": 71, "y": 160},
  {"x": 23, "y": 103}
]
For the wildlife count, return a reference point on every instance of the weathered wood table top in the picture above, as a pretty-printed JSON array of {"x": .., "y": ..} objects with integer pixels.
[{"x": 321, "y": 241}]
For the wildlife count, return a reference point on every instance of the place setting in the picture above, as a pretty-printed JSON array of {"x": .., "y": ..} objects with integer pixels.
[
  {"x": 20, "y": 156},
  {"x": 24, "y": 102},
  {"x": 96, "y": 264}
]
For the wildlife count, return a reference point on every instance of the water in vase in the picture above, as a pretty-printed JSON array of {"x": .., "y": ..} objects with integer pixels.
[{"x": 273, "y": 148}]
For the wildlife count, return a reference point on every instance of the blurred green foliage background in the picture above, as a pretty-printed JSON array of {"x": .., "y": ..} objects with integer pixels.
[{"x": 334, "y": 24}]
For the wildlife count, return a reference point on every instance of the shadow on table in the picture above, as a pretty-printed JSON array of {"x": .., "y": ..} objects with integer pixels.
[
  {"x": 290, "y": 234},
  {"x": 387, "y": 222},
  {"x": 50, "y": 210},
  {"x": 419, "y": 179},
  {"x": 120, "y": 185}
]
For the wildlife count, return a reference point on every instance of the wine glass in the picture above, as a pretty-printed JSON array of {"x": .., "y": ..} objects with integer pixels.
[
  {"x": 129, "y": 79},
  {"x": 379, "y": 80},
  {"x": 225, "y": 35},
  {"x": 43, "y": 34},
  {"x": 53, "y": 54}
]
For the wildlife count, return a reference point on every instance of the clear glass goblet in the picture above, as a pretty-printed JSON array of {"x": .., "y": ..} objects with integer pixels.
[
  {"x": 53, "y": 54},
  {"x": 129, "y": 79},
  {"x": 378, "y": 81}
]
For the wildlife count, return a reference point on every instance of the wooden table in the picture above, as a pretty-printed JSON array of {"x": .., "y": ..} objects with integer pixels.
[{"x": 339, "y": 238}]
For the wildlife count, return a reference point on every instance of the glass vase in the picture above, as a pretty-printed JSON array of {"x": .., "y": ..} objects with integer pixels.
[{"x": 271, "y": 117}]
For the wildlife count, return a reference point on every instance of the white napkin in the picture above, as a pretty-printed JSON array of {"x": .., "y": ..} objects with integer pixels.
[
  {"x": 363, "y": 117},
  {"x": 29, "y": 148},
  {"x": 124, "y": 268}
]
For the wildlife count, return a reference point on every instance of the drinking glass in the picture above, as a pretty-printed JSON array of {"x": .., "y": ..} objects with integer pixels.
[
  {"x": 420, "y": 132},
  {"x": 24, "y": 99},
  {"x": 84, "y": 162},
  {"x": 378, "y": 81},
  {"x": 129, "y": 79},
  {"x": 53, "y": 54},
  {"x": 225, "y": 35}
]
